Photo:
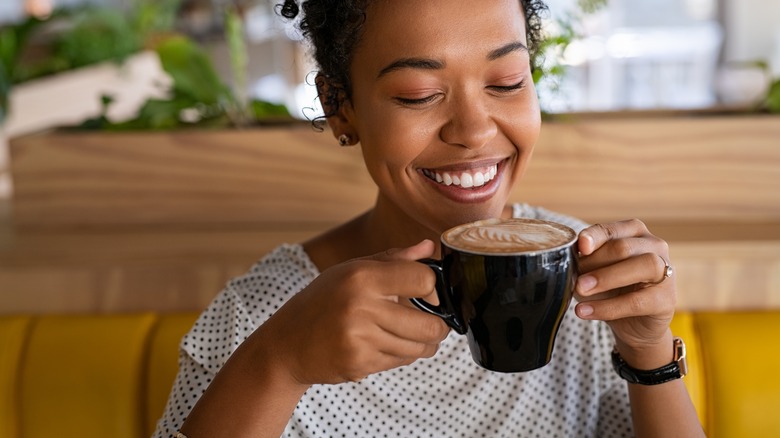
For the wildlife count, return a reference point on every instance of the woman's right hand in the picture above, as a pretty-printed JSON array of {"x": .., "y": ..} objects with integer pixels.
[{"x": 355, "y": 320}]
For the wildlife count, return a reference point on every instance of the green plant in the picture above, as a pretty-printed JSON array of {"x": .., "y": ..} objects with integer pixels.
[
  {"x": 72, "y": 38},
  {"x": 234, "y": 34},
  {"x": 195, "y": 87},
  {"x": 548, "y": 61},
  {"x": 198, "y": 97},
  {"x": 88, "y": 35},
  {"x": 12, "y": 40},
  {"x": 772, "y": 101}
]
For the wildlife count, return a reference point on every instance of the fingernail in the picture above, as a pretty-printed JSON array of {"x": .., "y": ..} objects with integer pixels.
[
  {"x": 584, "y": 310},
  {"x": 586, "y": 244},
  {"x": 589, "y": 238},
  {"x": 586, "y": 283}
]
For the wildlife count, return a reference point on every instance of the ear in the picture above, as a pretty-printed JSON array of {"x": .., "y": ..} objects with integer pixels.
[{"x": 337, "y": 107}]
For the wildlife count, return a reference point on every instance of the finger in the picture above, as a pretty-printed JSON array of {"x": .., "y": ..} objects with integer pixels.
[
  {"x": 404, "y": 349},
  {"x": 644, "y": 268},
  {"x": 643, "y": 302},
  {"x": 412, "y": 324},
  {"x": 387, "y": 361},
  {"x": 377, "y": 350},
  {"x": 374, "y": 362},
  {"x": 595, "y": 236},
  {"x": 405, "y": 279},
  {"x": 620, "y": 249}
]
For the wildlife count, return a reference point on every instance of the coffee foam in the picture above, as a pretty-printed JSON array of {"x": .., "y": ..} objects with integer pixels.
[{"x": 508, "y": 236}]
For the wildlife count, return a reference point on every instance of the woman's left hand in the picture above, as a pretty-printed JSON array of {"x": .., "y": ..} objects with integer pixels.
[{"x": 623, "y": 281}]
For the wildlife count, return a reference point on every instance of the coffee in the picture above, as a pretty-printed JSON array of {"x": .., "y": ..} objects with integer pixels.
[
  {"x": 508, "y": 236},
  {"x": 506, "y": 285}
]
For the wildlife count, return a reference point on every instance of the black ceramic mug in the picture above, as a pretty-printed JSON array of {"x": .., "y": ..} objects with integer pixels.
[{"x": 506, "y": 285}]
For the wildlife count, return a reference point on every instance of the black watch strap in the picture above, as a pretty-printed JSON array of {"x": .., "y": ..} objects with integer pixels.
[{"x": 673, "y": 371}]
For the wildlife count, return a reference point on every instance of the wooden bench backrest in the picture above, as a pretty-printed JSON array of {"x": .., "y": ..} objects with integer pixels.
[{"x": 662, "y": 169}]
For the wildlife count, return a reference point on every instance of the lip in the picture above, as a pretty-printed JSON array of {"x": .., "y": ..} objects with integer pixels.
[
  {"x": 469, "y": 165},
  {"x": 470, "y": 195}
]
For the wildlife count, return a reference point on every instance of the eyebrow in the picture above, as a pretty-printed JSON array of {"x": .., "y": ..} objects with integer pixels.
[
  {"x": 507, "y": 49},
  {"x": 432, "y": 64},
  {"x": 418, "y": 63}
]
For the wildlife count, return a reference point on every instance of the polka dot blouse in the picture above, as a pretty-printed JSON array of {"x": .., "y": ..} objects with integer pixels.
[{"x": 576, "y": 395}]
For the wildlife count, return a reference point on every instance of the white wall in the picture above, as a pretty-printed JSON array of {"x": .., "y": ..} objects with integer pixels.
[{"x": 753, "y": 30}]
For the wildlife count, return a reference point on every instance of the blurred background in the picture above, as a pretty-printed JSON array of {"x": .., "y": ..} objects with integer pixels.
[
  {"x": 610, "y": 55},
  {"x": 603, "y": 56},
  {"x": 75, "y": 71},
  {"x": 78, "y": 72},
  {"x": 635, "y": 54}
]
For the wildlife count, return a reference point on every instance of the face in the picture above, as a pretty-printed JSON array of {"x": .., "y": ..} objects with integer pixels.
[{"x": 444, "y": 107}]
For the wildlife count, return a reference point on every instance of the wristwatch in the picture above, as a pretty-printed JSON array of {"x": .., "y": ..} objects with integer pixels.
[{"x": 675, "y": 370}]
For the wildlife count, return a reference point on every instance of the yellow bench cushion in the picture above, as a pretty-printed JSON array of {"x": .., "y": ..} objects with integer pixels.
[
  {"x": 13, "y": 336},
  {"x": 741, "y": 355},
  {"x": 109, "y": 375},
  {"x": 683, "y": 325},
  {"x": 82, "y": 376},
  {"x": 163, "y": 363}
]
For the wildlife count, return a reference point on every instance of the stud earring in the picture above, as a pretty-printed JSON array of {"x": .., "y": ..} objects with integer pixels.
[{"x": 344, "y": 140}]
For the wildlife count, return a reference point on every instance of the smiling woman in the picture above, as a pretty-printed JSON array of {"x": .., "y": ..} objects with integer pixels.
[
  {"x": 454, "y": 106},
  {"x": 320, "y": 338}
]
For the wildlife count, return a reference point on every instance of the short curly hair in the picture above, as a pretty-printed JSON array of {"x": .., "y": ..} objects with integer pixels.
[{"x": 333, "y": 29}]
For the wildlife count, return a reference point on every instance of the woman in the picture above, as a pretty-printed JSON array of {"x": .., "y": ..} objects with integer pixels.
[{"x": 321, "y": 338}]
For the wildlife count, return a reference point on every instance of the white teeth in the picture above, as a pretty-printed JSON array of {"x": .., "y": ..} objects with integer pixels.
[{"x": 464, "y": 179}]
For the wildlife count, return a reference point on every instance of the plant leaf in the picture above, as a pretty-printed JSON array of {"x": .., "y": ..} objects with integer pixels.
[
  {"x": 98, "y": 34},
  {"x": 263, "y": 110},
  {"x": 191, "y": 71},
  {"x": 772, "y": 102}
]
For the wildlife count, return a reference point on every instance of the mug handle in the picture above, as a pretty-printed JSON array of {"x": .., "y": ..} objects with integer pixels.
[{"x": 445, "y": 311}]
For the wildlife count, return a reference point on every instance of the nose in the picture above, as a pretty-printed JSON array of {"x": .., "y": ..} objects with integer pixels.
[{"x": 469, "y": 125}]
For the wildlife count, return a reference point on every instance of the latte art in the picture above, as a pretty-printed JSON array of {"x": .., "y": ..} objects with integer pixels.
[{"x": 508, "y": 236}]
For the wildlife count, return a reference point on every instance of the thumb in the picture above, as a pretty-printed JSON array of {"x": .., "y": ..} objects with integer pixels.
[{"x": 421, "y": 250}]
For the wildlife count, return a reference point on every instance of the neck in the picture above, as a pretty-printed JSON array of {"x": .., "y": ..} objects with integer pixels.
[
  {"x": 383, "y": 227},
  {"x": 386, "y": 226}
]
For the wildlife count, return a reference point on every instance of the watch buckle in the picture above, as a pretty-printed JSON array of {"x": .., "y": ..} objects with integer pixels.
[{"x": 680, "y": 356}]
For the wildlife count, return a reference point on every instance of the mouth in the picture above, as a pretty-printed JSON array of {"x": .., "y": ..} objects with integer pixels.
[
  {"x": 466, "y": 179},
  {"x": 467, "y": 183}
]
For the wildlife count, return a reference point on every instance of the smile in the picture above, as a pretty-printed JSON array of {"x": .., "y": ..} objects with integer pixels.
[{"x": 463, "y": 178}]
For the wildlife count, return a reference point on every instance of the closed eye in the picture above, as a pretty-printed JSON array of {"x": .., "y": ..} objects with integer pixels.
[
  {"x": 503, "y": 89},
  {"x": 414, "y": 102},
  {"x": 508, "y": 88}
]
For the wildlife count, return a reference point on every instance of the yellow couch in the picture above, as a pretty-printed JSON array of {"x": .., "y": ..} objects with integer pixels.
[{"x": 109, "y": 375}]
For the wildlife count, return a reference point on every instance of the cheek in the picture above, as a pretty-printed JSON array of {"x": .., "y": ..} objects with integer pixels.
[
  {"x": 392, "y": 138},
  {"x": 524, "y": 126},
  {"x": 532, "y": 127}
]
